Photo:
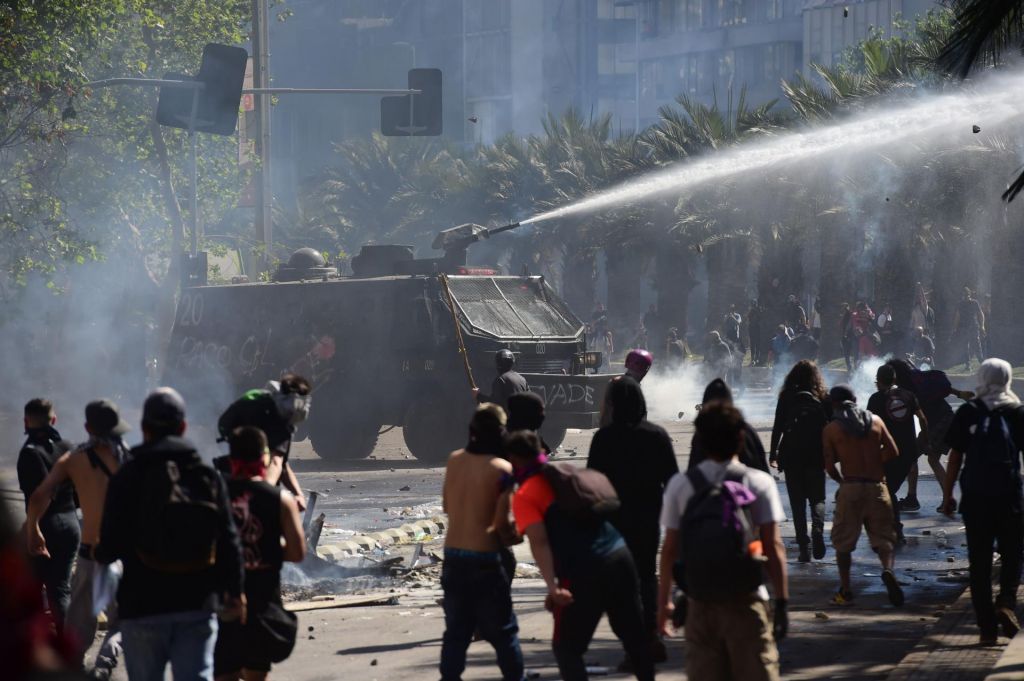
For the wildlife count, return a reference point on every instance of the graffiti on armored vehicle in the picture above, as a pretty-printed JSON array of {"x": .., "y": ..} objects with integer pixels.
[{"x": 566, "y": 394}]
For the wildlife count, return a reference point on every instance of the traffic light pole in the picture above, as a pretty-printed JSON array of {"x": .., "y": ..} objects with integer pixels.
[
  {"x": 194, "y": 173},
  {"x": 261, "y": 81}
]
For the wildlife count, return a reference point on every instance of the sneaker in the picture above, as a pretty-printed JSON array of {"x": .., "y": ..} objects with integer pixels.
[
  {"x": 988, "y": 639},
  {"x": 910, "y": 504},
  {"x": 1007, "y": 619},
  {"x": 842, "y": 597},
  {"x": 818, "y": 546},
  {"x": 805, "y": 555},
  {"x": 892, "y": 587}
]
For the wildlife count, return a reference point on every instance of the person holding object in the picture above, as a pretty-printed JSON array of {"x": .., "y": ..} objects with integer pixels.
[
  {"x": 277, "y": 410},
  {"x": 584, "y": 560}
]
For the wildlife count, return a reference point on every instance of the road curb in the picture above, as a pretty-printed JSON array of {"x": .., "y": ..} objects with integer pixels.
[{"x": 407, "y": 533}]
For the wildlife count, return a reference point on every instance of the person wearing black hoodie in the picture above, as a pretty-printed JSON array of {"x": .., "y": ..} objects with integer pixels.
[
  {"x": 637, "y": 457},
  {"x": 752, "y": 455},
  {"x": 168, "y": 610}
]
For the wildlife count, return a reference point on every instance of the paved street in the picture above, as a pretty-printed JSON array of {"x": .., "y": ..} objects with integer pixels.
[{"x": 863, "y": 641}]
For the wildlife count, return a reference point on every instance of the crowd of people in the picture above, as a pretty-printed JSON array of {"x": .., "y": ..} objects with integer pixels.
[
  {"x": 200, "y": 548},
  {"x": 184, "y": 558}
]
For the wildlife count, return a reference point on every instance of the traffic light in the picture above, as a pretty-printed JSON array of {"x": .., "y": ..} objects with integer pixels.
[
  {"x": 426, "y": 110},
  {"x": 221, "y": 73}
]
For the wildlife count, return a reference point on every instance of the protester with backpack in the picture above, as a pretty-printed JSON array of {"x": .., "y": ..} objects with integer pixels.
[
  {"x": 89, "y": 468},
  {"x": 264, "y": 515},
  {"x": 897, "y": 408},
  {"x": 167, "y": 517},
  {"x": 277, "y": 410},
  {"x": 931, "y": 389},
  {"x": 721, "y": 523},
  {"x": 986, "y": 439},
  {"x": 585, "y": 563},
  {"x": 800, "y": 418},
  {"x": 638, "y": 459},
  {"x": 860, "y": 445}
]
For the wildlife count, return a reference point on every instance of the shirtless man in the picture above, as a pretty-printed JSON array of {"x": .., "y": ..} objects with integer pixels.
[
  {"x": 89, "y": 468},
  {"x": 477, "y": 596},
  {"x": 861, "y": 445}
]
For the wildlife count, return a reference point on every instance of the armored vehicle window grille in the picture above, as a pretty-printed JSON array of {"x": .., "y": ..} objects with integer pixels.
[
  {"x": 537, "y": 365},
  {"x": 512, "y": 307}
]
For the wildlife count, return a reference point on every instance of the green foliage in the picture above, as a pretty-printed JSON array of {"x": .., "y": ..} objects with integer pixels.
[{"x": 84, "y": 171}]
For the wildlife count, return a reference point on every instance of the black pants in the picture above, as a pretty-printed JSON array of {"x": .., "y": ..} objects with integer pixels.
[
  {"x": 988, "y": 526},
  {"x": 610, "y": 586},
  {"x": 896, "y": 472},
  {"x": 972, "y": 339},
  {"x": 643, "y": 544},
  {"x": 806, "y": 486},
  {"x": 477, "y": 597},
  {"x": 62, "y": 534}
]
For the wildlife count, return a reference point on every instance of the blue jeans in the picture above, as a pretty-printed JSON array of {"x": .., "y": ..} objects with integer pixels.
[
  {"x": 477, "y": 597},
  {"x": 185, "y": 639}
]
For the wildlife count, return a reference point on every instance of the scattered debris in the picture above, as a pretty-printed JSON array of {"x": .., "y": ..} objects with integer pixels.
[
  {"x": 473, "y": 119},
  {"x": 373, "y": 662},
  {"x": 821, "y": 615},
  {"x": 950, "y": 559},
  {"x": 846, "y": 12},
  {"x": 926, "y": 532},
  {"x": 310, "y": 627},
  {"x": 331, "y": 602},
  {"x": 975, "y": 129},
  {"x": 404, "y": 488}
]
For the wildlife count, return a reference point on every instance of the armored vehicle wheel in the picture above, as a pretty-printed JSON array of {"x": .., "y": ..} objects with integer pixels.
[
  {"x": 339, "y": 440},
  {"x": 433, "y": 431},
  {"x": 553, "y": 436}
]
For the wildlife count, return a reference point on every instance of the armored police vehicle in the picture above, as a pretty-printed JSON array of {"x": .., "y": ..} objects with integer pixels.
[{"x": 387, "y": 346}]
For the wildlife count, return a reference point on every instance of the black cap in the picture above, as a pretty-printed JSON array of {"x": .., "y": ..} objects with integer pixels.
[
  {"x": 164, "y": 407},
  {"x": 103, "y": 419},
  {"x": 842, "y": 393}
]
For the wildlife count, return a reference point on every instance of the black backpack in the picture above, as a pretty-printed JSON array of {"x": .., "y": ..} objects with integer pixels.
[
  {"x": 992, "y": 459},
  {"x": 801, "y": 438},
  {"x": 583, "y": 493},
  {"x": 715, "y": 561},
  {"x": 179, "y": 519}
]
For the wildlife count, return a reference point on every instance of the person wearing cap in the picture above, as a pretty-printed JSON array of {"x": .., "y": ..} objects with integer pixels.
[
  {"x": 43, "y": 447},
  {"x": 89, "y": 468},
  {"x": 861, "y": 445},
  {"x": 508, "y": 382},
  {"x": 168, "y": 616}
]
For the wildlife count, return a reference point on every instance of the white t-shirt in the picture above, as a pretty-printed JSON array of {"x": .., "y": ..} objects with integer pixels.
[{"x": 767, "y": 506}]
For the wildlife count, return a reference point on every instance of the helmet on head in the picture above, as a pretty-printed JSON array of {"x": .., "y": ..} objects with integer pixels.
[
  {"x": 505, "y": 360},
  {"x": 638, "y": 363}
]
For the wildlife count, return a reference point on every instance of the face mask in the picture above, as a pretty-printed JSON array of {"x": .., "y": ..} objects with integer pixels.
[
  {"x": 292, "y": 407},
  {"x": 248, "y": 469}
]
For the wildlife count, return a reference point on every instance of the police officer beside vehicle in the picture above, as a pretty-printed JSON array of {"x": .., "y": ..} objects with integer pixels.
[{"x": 508, "y": 381}]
